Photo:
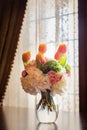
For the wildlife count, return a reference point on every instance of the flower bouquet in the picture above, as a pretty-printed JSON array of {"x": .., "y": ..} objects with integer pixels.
[{"x": 44, "y": 75}]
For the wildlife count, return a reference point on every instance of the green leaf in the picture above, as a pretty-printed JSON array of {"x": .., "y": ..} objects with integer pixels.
[
  {"x": 25, "y": 63},
  {"x": 68, "y": 67},
  {"x": 63, "y": 61},
  {"x": 52, "y": 65},
  {"x": 39, "y": 65}
]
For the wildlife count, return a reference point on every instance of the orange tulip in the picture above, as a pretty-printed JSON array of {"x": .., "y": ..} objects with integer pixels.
[
  {"x": 26, "y": 56},
  {"x": 42, "y": 48},
  {"x": 62, "y": 48},
  {"x": 41, "y": 58}
]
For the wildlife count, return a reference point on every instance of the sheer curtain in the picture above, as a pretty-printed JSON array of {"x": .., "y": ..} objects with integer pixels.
[{"x": 50, "y": 22}]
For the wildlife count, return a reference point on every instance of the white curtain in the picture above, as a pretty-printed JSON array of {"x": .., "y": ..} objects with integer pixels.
[{"x": 50, "y": 22}]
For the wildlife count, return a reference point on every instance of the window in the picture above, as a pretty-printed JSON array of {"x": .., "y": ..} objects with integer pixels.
[{"x": 52, "y": 22}]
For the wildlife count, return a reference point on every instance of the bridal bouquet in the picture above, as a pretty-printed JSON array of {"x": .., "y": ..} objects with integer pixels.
[{"x": 44, "y": 75}]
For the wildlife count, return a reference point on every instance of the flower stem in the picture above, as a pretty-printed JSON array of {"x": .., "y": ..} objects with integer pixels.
[{"x": 46, "y": 100}]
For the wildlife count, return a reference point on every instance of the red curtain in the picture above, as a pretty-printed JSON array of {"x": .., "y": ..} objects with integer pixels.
[
  {"x": 11, "y": 17},
  {"x": 83, "y": 55}
]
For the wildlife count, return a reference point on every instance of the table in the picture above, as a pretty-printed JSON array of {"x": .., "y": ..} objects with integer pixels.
[{"x": 12, "y": 118}]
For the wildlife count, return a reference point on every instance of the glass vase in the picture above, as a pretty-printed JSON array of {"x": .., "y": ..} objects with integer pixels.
[{"x": 46, "y": 107}]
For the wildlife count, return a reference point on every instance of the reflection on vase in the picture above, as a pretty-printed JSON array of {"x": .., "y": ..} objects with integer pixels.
[{"x": 47, "y": 126}]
